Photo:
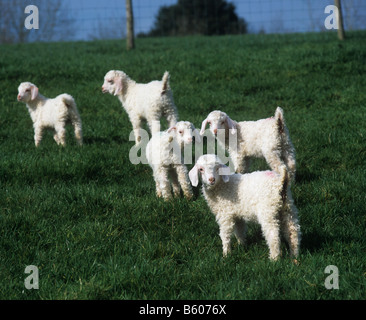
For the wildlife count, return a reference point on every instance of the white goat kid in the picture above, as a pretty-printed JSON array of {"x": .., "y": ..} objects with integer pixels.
[
  {"x": 51, "y": 114},
  {"x": 268, "y": 138},
  {"x": 164, "y": 155},
  {"x": 149, "y": 101},
  {"x": 262, "y": 196}
]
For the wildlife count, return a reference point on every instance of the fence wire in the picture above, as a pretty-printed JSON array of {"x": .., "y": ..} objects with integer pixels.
[{"x": 98, "y": 19}]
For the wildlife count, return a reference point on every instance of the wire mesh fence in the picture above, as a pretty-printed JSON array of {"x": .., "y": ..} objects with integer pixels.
[{"x": 97, "y": 19}]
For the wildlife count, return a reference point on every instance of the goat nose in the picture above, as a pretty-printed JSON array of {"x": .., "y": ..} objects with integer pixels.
[
  {"x": 18, "y": 97},
  {"x": 215, "y": 131},
  {"x": 212, "y": 179}
]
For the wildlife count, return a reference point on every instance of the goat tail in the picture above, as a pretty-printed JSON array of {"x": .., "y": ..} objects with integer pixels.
[
  {"x": 74, "y": 117},
  {"x": 288, "y": 150},
  {"x": 68, "y": 101},
  {"x": 284, "y": 181},
  {"x": 165, "y": 81},
  {"x": 280, "y": 120},
  {"x": 72, "y": 108}
]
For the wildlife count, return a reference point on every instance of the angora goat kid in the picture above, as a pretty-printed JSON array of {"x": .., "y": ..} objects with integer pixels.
[
  {"x": 164, "y": 155},
  {"x": 262, "y": 196},
  {"x": 149, "y": 101},
  {"x": 51, "y": 114},
  {"x": 268, "y": 138}
]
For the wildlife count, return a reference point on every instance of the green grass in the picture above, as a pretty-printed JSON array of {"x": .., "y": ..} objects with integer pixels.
[{"x": 89, "y": 219}]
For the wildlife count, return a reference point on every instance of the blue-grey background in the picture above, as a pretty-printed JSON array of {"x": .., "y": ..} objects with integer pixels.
[
  {"x": 106, "y": 19},
  {"x": 269, "y": 16}
]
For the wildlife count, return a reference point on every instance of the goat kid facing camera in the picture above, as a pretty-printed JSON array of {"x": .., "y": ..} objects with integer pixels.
[
  {"x": 263, "y": 197},
  {"x": 164, "y": 155}
]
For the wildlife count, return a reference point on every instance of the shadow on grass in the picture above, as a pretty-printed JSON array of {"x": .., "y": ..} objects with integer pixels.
[
  {"x": 105, "y": 140},
  {"x": 314, "y": 241},
  {"x": 317, "y": 241},
  {"x": 305, "y": 175}
]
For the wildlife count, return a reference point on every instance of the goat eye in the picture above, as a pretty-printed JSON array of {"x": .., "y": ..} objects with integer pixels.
[
  {"x": 110, "y": 81},
  {"x": 209, "y": 122},
  {"x": 222, "y": 122},
  {"x": 201, "y": 169},
  {"x": 181, "y": 132},
  {"x": 27, "y": 90}
]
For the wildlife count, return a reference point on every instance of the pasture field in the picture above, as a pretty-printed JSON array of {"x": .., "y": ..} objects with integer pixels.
[{"x": 90, "y": 220}]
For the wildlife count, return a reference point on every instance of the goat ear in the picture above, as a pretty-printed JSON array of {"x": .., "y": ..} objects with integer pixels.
[
  {"x": 224, "y": 172},
  {"x": 118, "y": 84},
  {"x": 34, "y": 91},
  {"x": 193, "y": 176},
  {"x": 203, "y": 126},
  {"x": 171, "y": 129},
  {"x": 231, "y": 125}
]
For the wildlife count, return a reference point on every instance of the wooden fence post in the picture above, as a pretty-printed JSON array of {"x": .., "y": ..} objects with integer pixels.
[
  {"x": 130, "y": 33},
  {"x": 341, "y": 34}
]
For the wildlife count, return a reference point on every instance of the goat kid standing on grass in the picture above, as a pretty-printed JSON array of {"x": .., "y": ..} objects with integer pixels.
[
  {"x": 149, "y": 101},
  {"x": 267, "y": 138},
  {"x": 164, "y": 155},
  {"x": 263, "y": 197},
  {"x": 51, "y": 114}
]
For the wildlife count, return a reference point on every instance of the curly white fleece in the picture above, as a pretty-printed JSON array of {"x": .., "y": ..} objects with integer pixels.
[
  {"x": 267, "y": 138},
  {"x": 164, "y": 155},
  {"x": 263, "y": 197},
  {"x": 143, "y": 101},
  {"x": 51, "y": 114}
]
